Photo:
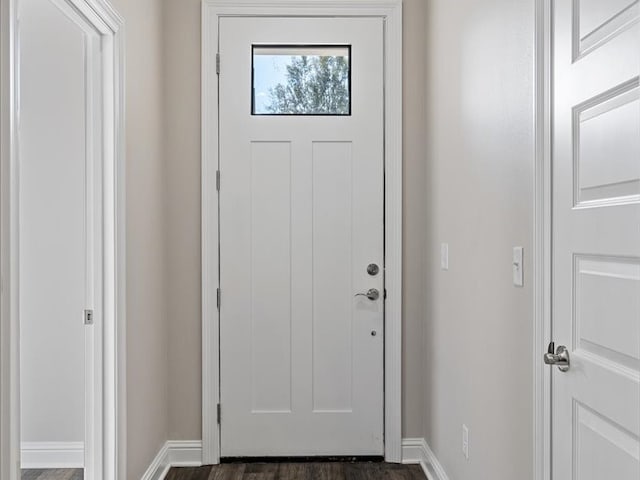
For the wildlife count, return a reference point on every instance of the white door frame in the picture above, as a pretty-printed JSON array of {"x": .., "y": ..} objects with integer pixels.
[
  {"x": 391, "y": 12},
  {"x": 542, "y": 243},
  {"x": 106, "y": 415},
  {"x": 9, "y": 402}
]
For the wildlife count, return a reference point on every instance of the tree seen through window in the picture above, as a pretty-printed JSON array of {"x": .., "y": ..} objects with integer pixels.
[{"x": 302, "y": 84}]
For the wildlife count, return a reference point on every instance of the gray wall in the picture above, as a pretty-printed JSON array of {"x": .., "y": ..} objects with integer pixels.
[
  {"x": 415, "y": 221},
  {"x": 147, "y": 358},
  {"x": 182, "y": 190},
  {"x": 479, "y": 177},
  {"x": 52, "y": 260}
]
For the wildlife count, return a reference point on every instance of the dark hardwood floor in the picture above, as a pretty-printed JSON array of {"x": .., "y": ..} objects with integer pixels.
[
  {"x": 300, "y": 471},
  {"x": 52, "y": 474}
]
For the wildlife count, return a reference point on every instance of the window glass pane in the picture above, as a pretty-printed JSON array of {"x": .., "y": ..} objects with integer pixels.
[{"x": 301, "y": 80}]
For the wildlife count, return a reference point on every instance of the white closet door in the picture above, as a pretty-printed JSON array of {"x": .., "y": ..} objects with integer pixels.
[{"x": 596, "y": 239}]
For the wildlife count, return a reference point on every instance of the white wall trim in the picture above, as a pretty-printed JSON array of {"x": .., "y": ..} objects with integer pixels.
[
  {"x": 414, "y": 451},
  {"x": 174, "y": 454},
  {"x": 159, "y": 466},
  {"x": 391, "y": 11},
  {"x": 52, "y": 455},
  {"x": 542, "y": 243},
  {"x": 417, "y": 451},
  {"x": 104, "y": 445},
  {"x": 9, "y": 386},
  {"x": 185, "y": 453},
  {"x": 189, "y": 454}
]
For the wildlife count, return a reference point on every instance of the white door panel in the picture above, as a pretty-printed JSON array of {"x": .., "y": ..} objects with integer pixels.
[
  {"x": 301, "y": 218},
  {"x": 596, "y": 239}
]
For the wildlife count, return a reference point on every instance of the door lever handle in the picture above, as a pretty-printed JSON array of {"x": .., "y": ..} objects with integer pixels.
[
  {"x": 559, "y": 359},
  {"x": 372, "y": 294}
]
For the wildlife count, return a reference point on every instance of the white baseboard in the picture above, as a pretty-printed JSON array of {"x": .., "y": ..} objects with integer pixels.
[
  {"x": 174, "y": 453},
  {"x": 159, "y": 465},
  {"x": 185, "y": 453},
  {"x": 189, "y": 454},
  {"x": 416, "y": 451},
  {"x": 52, "y": 455}
]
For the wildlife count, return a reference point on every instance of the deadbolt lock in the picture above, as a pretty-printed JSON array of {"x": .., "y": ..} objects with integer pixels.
[{"x": 373, "y": 269}]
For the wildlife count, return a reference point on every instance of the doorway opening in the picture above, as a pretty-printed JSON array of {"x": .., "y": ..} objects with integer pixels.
[
  {"x": 281, "y": 305},
  {"x": 63, "y": 241}
]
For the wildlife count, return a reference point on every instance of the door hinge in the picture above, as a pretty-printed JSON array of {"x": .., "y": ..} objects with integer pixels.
[
  {"x": 218, "y": 180},
  {"x": 218, "y": 63},
  {"x": 218, "y": 411},
  {"x": 385, "y": 293},
  {"x": 88, "y": 317},
  {"x": 218, "y": 295}
]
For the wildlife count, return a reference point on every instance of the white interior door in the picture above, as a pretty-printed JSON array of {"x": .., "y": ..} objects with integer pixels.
[
  {"x": 596, "y": 239},
  {"x": 301, "y": 219},
  {"x": 60, "y": 237}
]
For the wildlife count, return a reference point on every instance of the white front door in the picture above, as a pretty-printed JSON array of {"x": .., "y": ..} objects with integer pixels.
[
  {"x": 301, "y": 233},
  {"x": 596, "y": 239}
]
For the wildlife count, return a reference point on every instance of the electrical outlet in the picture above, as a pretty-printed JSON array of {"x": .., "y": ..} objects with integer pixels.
[
  {"x": 465, "y": 441},
  {"x": 444, "y": 256}
]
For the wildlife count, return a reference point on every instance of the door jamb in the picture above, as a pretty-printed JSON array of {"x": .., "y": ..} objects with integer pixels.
[
  {"x": 109, "y": 388},
  {"x": 9, "y": 402},
  {"x": 542, "y": 241},
  {"x": 391, "y": 12}
]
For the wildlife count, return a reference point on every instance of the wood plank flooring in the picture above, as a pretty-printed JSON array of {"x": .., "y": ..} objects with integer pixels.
[
  {"x": 52, "y": 474},
  {"x": 300, "y": 471}
]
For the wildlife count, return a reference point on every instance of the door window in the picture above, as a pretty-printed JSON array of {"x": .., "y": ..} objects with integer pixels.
[{"x": 301, "y": 80}]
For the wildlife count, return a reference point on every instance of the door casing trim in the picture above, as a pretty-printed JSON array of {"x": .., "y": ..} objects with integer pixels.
[
  {"x": 542, "y": 242},
  {"x": 391, "y": 12},
  {"x": 107, "y": 422}
]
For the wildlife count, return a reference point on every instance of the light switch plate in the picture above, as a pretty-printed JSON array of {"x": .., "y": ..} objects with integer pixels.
[
  {"x": 518, "y": 267},
  {"x": 444, "y": 256}
]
